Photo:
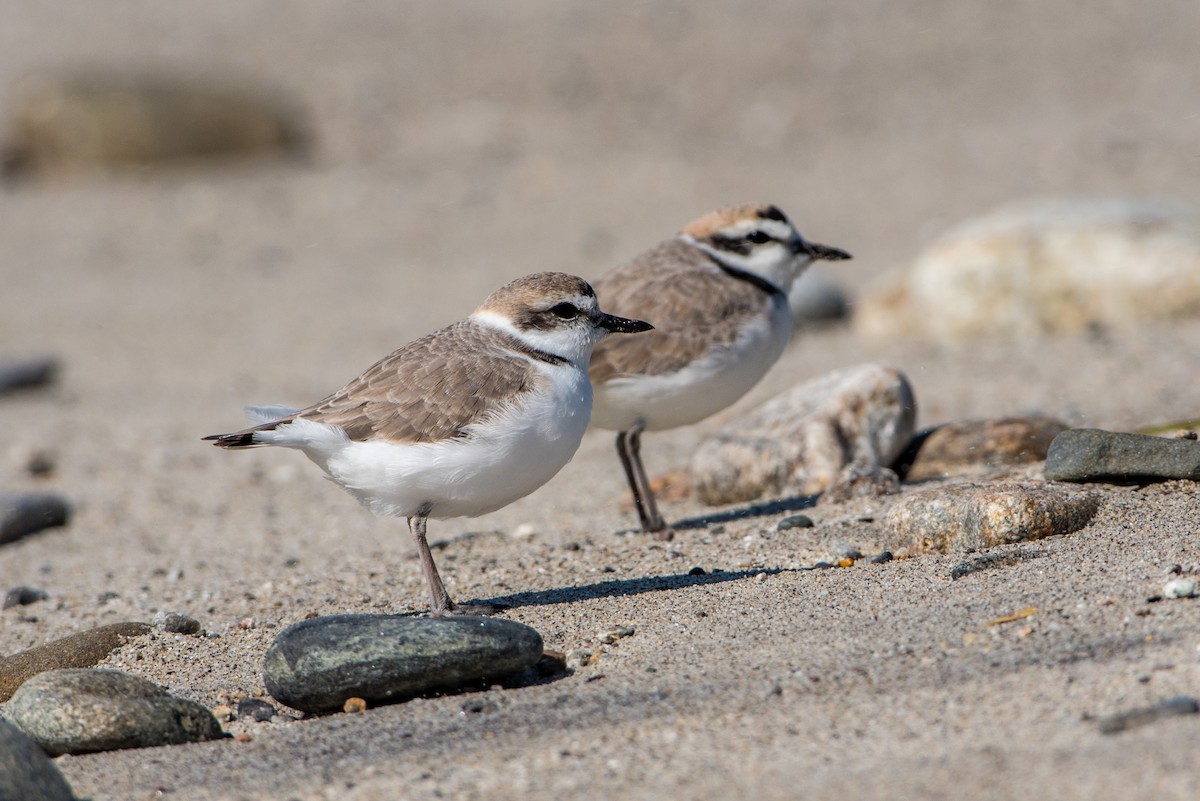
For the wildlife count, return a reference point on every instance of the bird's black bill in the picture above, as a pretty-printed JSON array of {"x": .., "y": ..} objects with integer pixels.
[
  {"x": 621, "y": 325},
  {"x": 824, "y": 252}
]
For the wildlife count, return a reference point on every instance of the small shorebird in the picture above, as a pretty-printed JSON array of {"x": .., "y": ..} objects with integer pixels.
[
  {"x": 717, "y": 295},
  {"x": 462, "y": 421}
]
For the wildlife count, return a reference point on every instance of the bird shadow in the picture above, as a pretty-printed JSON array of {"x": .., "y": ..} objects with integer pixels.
[
  {"x": 793, "y": 504},
  {"x": 618, "y": 588}
]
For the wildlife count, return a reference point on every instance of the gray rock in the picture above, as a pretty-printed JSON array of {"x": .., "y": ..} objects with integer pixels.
[
  {"x": 1046, "y": 266},
  {"x": 177, "y": 623},
  {"x": 25, "y": 514},
  {"x": 255, "y": 709},
  {"x": 1089, "y": 454},
  {"x": 980, "y": 447},
  {"x": 80, "y": 650},
  {"x": 801, "y": 441},
  {"x": 26, "y": 773},
  {"x": 27, "y": 374},
  {"x": 76, "y": 711},
  {"x": 315, "y": 665},
  {"x": 1180, "y": 588},
  {"x": 816, "y": 298},
  {"x": 794, "y": 521},
  {"x": 23, "y": 596},
  {"x": 969, "y": 517}
]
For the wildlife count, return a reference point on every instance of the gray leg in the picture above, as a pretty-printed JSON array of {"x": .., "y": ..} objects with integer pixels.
[
  {"x": 442, "y": 604},
  {"x": 629, "y": 449}
]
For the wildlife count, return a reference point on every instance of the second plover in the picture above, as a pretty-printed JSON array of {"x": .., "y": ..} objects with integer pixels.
[
  {"x": 462, "y": 421},
  {"x": 717, "y": 295}
]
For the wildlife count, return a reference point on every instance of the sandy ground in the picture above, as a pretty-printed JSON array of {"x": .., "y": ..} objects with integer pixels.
[{"x": 462, "y": 144}]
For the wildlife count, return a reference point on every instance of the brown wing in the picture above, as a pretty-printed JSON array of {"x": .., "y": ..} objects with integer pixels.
[
  {"x": 691, "y": 302},
  {"x": 428, "y": 390}
]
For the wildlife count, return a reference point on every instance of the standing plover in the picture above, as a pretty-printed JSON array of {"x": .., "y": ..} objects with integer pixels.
[
  {"x": 717, "y": 295},
  {"x": 462, "y": 421}
]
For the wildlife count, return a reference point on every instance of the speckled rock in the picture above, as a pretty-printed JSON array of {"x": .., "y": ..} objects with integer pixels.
[
  {"x": 979, "y": 447},
  {"x": 317, "y": 664},
  {"x": 76, "y": 711},
  {"x": 29, "y": 513},
  {"x": 801, "y": 441},
  {"x": 1089, "y": 454},
  {"x": 81, "y": 650},
  {"x": 969, "y": 517},
  {"x": 26, "y": 773},
  {"x": 1046, "y": 266}
]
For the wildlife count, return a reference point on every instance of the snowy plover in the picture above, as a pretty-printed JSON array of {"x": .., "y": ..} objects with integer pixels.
[
  {"x": 462, "y": 421},
  {"x": 717, "y": 295}
]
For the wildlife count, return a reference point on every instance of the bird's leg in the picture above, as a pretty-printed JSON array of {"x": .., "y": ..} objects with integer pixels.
[
  {"x": 442, "y": 605},
  {"x": 629, "y": 448}
]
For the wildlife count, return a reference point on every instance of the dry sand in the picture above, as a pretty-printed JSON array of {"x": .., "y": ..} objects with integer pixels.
[{"x": 461, "y": 144}]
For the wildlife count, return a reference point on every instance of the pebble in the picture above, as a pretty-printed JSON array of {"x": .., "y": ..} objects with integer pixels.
[
  {"x": 1123, "y": 721},
  {"x": 69, "y": 124},
  {"x": 697, "y": 571},
  {"x": 801, "y": 441},
  {"x": 610, "y": 636},
  {"x": 25, "y": 514},
  {"x": 979, "y": 447},
  {"x": 1045, "y": 266},
  {"x": 882, "y": 558},
  {"x": 27, "y": 374},
  {"x": 23, "y": 596},
  {"x": 26, "y": 773},
  {"x": 861, "y": 481},
  {"x": 177, "y": 623},
  {"x": 254, "y": 709},
  {"x": 1180, "y": 588},
  {"x": 965, "y": 518},
  {"x": 81, "y": 650},
  {"x": 795, "y": 521},
  {"x": 1090, "y": 454},
  {"x": 75, "y": 711},
  {"x": 316, "y": 664}
]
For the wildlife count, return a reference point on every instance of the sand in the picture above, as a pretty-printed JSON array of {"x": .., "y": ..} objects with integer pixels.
[{"x": 458, "y": 145}]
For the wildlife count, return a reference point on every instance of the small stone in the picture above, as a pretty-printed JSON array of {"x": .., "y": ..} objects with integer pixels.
[
  {"x": 22, "y": 515},
  {"x": 354, "y": 705},
  {"x": 23, "y": 596},
  {"x": 612, "y": 635},
  {"x": 802, "y": 441},
  {"x": 1180, "y": 588},
  {"x": 581, "y": 657},
  {"x": 315, "y": 665},
  {"x": 552, "y": 663},
  {"x": 41, "y": 464},
  {"x": 223, "y": 713},
  {"x": 794, "y": 521},
  {"x": 979, "y": 447},
  {"x": 29, "y": 374},
  {"x": 176, "y": 623},
  {"x": 254, "y": 709},
  {"x": 966, "y": 518},
  {"x": 1089, "y": 454},
  {"x": 76, "y": 711},
  {"x": 883, "y": 557},
  {"x": 26, "y": 773},
  {"x": 845, "y": 550},
  {"x": 1123, "y": 721},
  {"x": 697, "y": 571},
  {"x": 862, "y": 481},
  {"x": 81, "y": 650}
]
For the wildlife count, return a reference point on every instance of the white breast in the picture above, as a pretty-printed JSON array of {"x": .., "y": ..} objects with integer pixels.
[
  {"x": 704, "y": 387},
  {"x": 504, "y": 458}
]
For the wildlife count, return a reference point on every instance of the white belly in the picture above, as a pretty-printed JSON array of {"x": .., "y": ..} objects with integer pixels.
[
  {"x": 706, "y": 386},
  {"x": 503, "y": 459}
]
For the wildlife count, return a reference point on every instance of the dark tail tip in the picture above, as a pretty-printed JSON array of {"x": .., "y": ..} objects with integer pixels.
[{"x": 241, "y": 439}]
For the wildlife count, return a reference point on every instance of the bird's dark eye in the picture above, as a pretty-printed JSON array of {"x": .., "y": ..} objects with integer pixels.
[
  {"x": 758, "y": 237},
  {"x": 566, "y": 311}
]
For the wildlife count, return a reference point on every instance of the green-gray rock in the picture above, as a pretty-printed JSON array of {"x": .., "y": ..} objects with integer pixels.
[
  {"x": 968, "y": 517},
  {"x": 317, "y": 664},
  {"x": 1090, "y": 454},
  {"x": 75, "y": 711},
  {"x": 26, "y": 773}
]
